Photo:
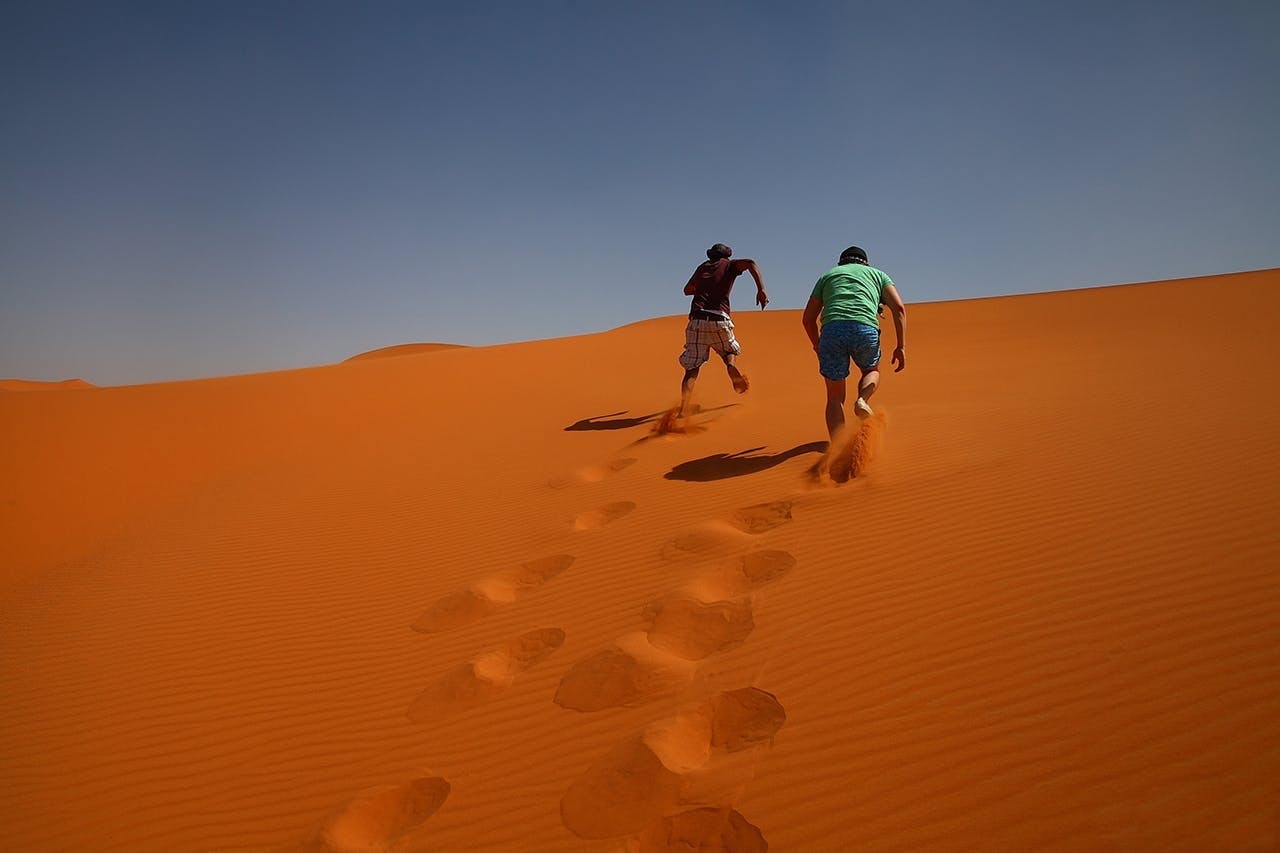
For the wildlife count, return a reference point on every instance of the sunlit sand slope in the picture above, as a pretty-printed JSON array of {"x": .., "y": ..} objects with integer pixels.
[{"x": 470, "y": 600}]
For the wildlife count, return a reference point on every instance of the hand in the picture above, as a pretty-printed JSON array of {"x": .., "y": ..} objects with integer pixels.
[
  {"x": 762, "y": 299},
  {"x": 900, "y": 359}
]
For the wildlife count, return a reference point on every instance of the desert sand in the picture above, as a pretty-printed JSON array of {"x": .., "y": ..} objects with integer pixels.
[{"x": 468, "y": 599}]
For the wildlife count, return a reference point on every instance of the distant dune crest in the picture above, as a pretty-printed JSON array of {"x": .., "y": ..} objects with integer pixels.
[
  {"x": 34, "y": 385},
  {"x": 403, "y": 349}
]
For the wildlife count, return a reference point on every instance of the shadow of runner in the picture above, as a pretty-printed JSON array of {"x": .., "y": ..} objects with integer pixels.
[
  {"x": 721, "y": 466},
  {"x": 600, "y": 422}
]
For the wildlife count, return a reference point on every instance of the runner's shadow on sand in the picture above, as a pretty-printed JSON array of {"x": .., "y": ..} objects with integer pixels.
[
  {"x": 610, "y": 421},
  {"x": 721, "y": 466}
]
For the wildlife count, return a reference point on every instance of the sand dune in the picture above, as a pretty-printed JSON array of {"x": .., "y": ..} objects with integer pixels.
[
  {"x": 390, "y": 604},
  {"x": 402, "y": 349},
  {"x": 33, "y": 385}
]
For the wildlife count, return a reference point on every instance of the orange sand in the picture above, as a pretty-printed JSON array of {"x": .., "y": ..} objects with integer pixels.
[{"x": 469, "y": 601}]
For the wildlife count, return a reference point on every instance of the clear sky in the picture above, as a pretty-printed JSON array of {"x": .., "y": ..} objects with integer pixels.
[{"x": 204, "y": 188}]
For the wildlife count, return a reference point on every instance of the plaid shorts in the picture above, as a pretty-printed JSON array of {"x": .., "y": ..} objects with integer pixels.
[{"x": 703, "y": 336}]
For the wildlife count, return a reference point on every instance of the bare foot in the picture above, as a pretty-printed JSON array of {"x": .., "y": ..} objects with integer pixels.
[{"x": 740, "y": 383}]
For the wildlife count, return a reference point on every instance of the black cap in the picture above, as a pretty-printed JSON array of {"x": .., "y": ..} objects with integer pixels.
[
  {"x": 853, "y": 254},
  {"x": 719, "y": 250}
]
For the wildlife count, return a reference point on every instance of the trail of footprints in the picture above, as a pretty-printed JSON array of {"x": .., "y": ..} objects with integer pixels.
[{"x": 672, "y": 786}]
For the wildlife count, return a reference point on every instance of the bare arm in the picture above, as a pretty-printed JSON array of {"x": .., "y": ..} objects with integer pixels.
[
  {"x": 899, "y": 309},
  {"x": 810, "y": 320},
  {"x": 748, "y": 265}
]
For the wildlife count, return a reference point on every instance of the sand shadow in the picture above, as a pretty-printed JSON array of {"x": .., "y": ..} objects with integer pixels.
[
  {"x": 610, "y": 421},
  {"x": 721, "y": 466}
]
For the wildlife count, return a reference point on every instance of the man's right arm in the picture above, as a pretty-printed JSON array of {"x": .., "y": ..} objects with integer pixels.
[
  {"x": 899, "y": 308},
  {"x": 810, "y": 320}
]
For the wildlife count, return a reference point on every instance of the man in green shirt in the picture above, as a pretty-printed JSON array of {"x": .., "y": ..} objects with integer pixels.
[{"x": 848, "y": 299}]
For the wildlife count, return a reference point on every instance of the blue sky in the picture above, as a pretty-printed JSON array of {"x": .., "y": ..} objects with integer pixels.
[{"x": 206, "y": 188}]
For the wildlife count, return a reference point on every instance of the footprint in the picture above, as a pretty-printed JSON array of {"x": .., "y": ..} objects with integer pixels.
[
  {"x": 375, "y": 819},
  {"x": 592, "y": 473},
  {"x": 627, "y": 790},
  {"x": 711, "y": 538},
  {"x": 745, "y": 574},
  {"x": 761, "y": 517},
  {"x": 646, "y": 780},
  {"x": 468, "y": 605},
  {"x": 764, "y": 567},
  {"x": 722, "y": 830},
  {"x": 487, "y": 676},
  {"x": 745, "y": 718},
  {"x": 630, "y": 672},
  {"x": 693, "y": 629},
  {"x": 607, "y": 514},
  {"x": 535, "y": 573}
]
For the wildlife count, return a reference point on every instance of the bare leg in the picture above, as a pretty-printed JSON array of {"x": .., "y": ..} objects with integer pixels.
[
  {"x": 835, "y": 406},
  {"x": 735, "y": 375},
  {"x": 870, "y": 381},
  {"x": 686, "y": 389}
]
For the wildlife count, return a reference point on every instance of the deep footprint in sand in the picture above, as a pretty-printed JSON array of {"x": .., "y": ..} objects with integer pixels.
[
  {"x": 701, "y": 755},
  {"x": 745, "y": 718},
  {"x": 485, "y": 677},
  {"x": 744, "y": 574},
  {"x": 630, "y": 672},
  {"x": 592, "y": 473},
  {"x": 704, "y": 830},
  {"x": 465, "y": 606},
  {"x": 761, "y": 517},
  {"x": 693, "y": 629},
  {"x": 607, "y": 514},
  {"x": 708, "y": 539},
  {"x": 376, "y": 819}
]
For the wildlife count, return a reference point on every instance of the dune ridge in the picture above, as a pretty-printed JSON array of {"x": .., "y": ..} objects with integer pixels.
[
  {"x": 35, "y": 385},
  {"x": 376, "y": 606},
  {"x": 402, "y": 349}
]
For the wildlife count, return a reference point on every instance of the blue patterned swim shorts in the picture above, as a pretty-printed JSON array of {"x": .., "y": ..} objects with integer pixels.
[{"x": 842, "y": 340}]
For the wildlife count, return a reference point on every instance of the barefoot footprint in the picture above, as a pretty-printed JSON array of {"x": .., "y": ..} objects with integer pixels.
[
  {"x": 693, "y": 628},
  {"x": 468, "y": 605},
  {"x": 607, "y": 514},
  {"x": 712, "y": 614},
  {"x": 377, "y": 818},
  {"x": 486, "y": 676},
  {"x": 712, "y": 538},
  {"x": 629, "y": 672},
  {"x": 761, "y": 517},
  {"x": 703, "y": 755},
  {"x": 706, "y": 829},
  {"x": 592, "y": 473}
]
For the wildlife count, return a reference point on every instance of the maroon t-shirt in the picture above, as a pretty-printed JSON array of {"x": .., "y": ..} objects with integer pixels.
[{"x": 712, "y": 282}]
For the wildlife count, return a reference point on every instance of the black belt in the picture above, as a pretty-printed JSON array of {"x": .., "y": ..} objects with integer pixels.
[{"x": 707, "y": 315}]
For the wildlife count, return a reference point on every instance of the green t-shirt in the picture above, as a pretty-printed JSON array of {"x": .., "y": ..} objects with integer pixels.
[{"x": 851, "y": 292}]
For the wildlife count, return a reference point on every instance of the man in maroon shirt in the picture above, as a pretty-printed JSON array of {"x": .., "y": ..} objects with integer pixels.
[{"x": 710, "y": 326}]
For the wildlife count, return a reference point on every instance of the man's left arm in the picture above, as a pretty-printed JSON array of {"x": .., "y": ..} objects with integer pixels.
[{"x": 748, "y": 265}]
